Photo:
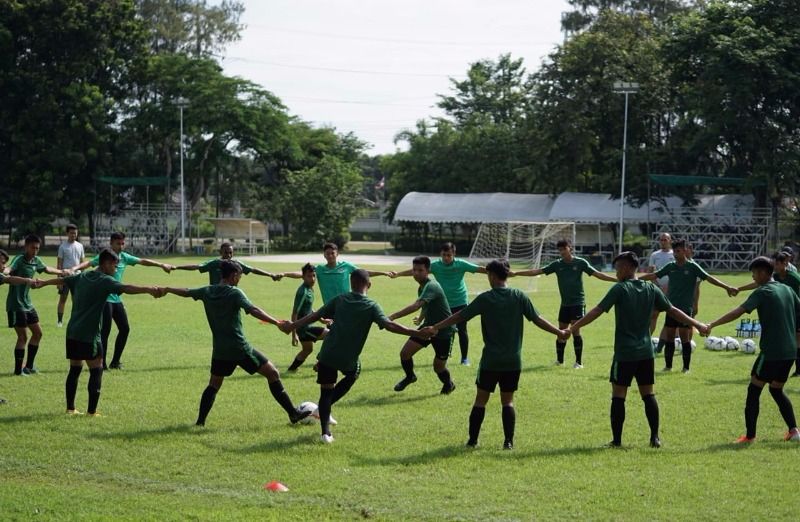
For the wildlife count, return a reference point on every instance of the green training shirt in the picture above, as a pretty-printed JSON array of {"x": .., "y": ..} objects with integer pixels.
[
  {"x": 19, "y": 296},
  {"x": 303, "y": 304},
  {"x": 570, "y": 279},
  {"x": 792, "y": 280},
  {"x": 451, "y": 277},
  {"x": 353, "y": 315},
  {"x": 435, "y": 307},
  {"x": 633, "y": 301},
  {"x": 213, "y": 267},
  {"x": 222, "y": 304},
  {"x": 335, "y": 281},
  {"x": 89, "y": 293},
  {"x": 502, "y": 311},
  {"x": 682, "y": 282},
  {"x": 778, "y": 306},
  {"x": 125, "y": 260}
]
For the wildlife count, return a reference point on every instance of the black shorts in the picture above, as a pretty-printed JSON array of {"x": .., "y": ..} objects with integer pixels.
[
  {"x": 63, "y": 290},
  {"x": 769, "y": 371},
  {"x": 328, "y": 374},
  {"x": 82, "y": 351},
  {"x": 21, "y": 319},
  {"x": 249, "y": 363},
  {"x": 623, "y": 372},
  {"x": 669, "y": 322},
  {"x": 442, "y": 346},
  {"x": 488, "y": 379},
  {"x": 570, "y": 313},
  {"x": 310, "y": 334}
]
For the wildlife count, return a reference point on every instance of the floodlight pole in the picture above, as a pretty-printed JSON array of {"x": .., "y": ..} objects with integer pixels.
[
  {"x": 182, "y": 103},
  {"x": 626, "y": 88}
]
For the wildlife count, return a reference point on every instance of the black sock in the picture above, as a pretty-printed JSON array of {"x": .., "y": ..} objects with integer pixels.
[
  {"x": 669, "y": 352},
  {"x": 342, "y": 387},
  {"x": 71, "y": 386},
  {"x": 19, "y": 356},
  {"x": 661, "y": 344},
  {"x": 295, "y": 364},
  {"x": 60, "y": 317},
  {"x": 475, "y": 421},
  {"x": 651, "y": 412},
  {"x": 408, "y": 367},
  {"x": 276, "y": 388},
  {"x": 785, "y": 406},
  {"x": 444, "y": 376},
  {"x": 33, "y": 349},
  {"x": 751, "y": 409},
  {"x": 560, "y": 346},
  {"x": 617, "y": 418},
  {"x": 95, "y": 383},
  {"x": 509, "y": 422},
  {"x": 578, "y": 342},
  {"x": 686, "y": 354},
  {"x": 797, "y": 362},
  {"x": 325, "y": 403},
  {"x": 206, "y": 402}
]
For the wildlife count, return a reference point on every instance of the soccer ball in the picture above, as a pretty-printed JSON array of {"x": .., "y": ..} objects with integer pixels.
[
  {"x": 709, "y": 343},
  {"x": 654, "y": 342},
  {"x": 731, "y": 344},
  {"x": 749, "y": 346},
  {"x": 693, "y": 344},
  {"x": 678, "y": 345},
  {"x": 719, "y": 344},
  {"x": 309, "y": 407}
]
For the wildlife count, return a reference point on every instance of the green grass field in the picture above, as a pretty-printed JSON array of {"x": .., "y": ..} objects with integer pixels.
[{"x": 397, "y": 456}]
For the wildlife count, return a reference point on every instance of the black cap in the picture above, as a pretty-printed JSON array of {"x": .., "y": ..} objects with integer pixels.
[{"x": 628, "y": 256}]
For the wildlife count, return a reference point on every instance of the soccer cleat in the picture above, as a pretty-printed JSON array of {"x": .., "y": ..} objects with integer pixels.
[
  {"x": 613, "y": 444},
  {"x": 404, "y": 382},
  {"x": 508, "y": 445},
  {"x": 22, "y": 373},
  {"x": 577, "y": 366},
  {"x": 744, "y": 439},
  {"x": 558, "y": 363},
  {"x": 464, "y": 362},
  {"x": 115, "y": 366},
  {"x": 95, "y": 414},
  {"x": 30, "y": 371},
  {"x": 793, "y": 435},
  {"x": 685, "y": 370},
  {"x": 667, "y": 369},
  {"x": 331, "y": 420},
  {"x": 472, "y": 443},
  {"x": 74, "y": 412},
  {"x": 655, "y": 442},
  {"x": 60, "y": 324},
  {"x": 298, "y": 415},
  {"x": 448, "y": 388},
  {"x": 326, "y": 438}
]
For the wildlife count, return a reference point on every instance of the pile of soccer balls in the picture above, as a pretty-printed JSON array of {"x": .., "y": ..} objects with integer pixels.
[
  {"x": 720, "y": 344},
  {"x": 678, "y": 344}
]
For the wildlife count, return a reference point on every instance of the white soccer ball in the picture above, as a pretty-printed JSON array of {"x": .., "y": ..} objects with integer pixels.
[
  {"x": 719, "y": 344},
  {"x": 693, "y": 345},
  {"x": 749, "y": 346},
  {"x": 310, "y": 407},
  {"x": 731, "y": 344},
  {"x": 678, "y": 345},
  {"x": 709, "y": 342},
  {"x": 654, "y": 342}
]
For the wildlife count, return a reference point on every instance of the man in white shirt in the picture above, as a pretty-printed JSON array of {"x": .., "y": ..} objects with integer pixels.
[
  {"x": 658, "y": 259},
  {"x": 70, "y": 255}
]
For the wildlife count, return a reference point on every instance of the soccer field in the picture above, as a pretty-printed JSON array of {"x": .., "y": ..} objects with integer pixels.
[{"x": 397, "y": 456}]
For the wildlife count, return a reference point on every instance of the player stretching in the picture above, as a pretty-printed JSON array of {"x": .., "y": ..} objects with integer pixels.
[
  {"x": 70, "y": 255},
  {"x": 432, "y": 301},
  {"x": 304, "y": 305},
  {"x": 353, "y": 314},
  {"x": 212, "y": 266},
  {"x": 633, "y": 301},
  {"x": 115, "y": 309},
  {"x": 222, "y": 303},
  {"x": 569, "y": 272},
  {"x": 778, "y": 307},
  {"x": 22, "y": 315},
  {"x": 502, "y": 310}
]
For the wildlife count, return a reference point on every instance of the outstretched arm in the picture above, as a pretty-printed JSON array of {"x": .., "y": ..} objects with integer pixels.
[
  {"x": 402, "y": 330},
  {"x": 163, "y": 266},
  {"x": 83, "y": 266},
  {"x": 430, "y": 331},
  {"x": 752, "y": 285},
  {"x": 732, "y": 291},
  {"x": 413, "y": 307},
  {"x": 531, "y": 272},
  {"x": 16, "y": 280},
  {"x": 681, "y": 317},
  {"x": 55, "y": 271},
  {"x": 290, "y": 275},
  {"x": 593, "y": 314},
  {"x": 258, "y": 313},
  {"x": 288, "y": 326},
  {"x": 186, "y": 267},
  {"x": 604, "y": 277},
  {"x": 403, "y": 273},
  {"x": 648, "y": 277},
  {"x": 727, "y": 318},
  {"x": 264, "y": 273},
  {"x": 547, "y": 326},
  {"x": 180, "y": 292},
  {"x": 374, "y": 273}
]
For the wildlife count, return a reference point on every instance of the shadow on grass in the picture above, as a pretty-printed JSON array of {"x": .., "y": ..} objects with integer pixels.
[
  {"x": 770, "y": 445},
  {"x": 163, "y": 431},
  {"x": 267, "y": 446},
  {"x": 147, "y": 369},
  {"x": 394, "y": 398},
  {"x": 424, "y": 458},
  {"x": 725, "y": 382},
  {"x": 13, "y": 419}
]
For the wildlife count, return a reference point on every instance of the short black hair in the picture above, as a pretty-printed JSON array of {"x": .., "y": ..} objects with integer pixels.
[
  {"x": 500, "y": 268},
  {"x": 107, "y": 255},
  {"x": 564, "y": 243},
  {"x": 330, "y": 246},
  {"x": 32, "y": 238},
  {"x": 72, "y": 226},
  {"x": 422, "y": 260},
  {"x": 448, "y": 246},
  {"x": 629, "y": 257},
  {"x": 359, "y": 277},
  {"x": 762, "y": 263},
  {"x": 225, "y": 244},
  {"x": 679, "y": 243},
  {"x": 789, "y": 250},
  {"x": 308, "y": 268},
  {"x": 782, "y": 256},
  {"x": 4, "y": 255},
  {"x": 229, "y": 267},
  {"x": 115, "y": 236}
]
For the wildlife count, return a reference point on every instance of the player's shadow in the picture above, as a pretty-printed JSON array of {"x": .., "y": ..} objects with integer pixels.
[
  {"x": 267, "y": 446},
  {"x": 726, "y": 382},
  {"x": 150, "y": 369},
  {"x": 396, "y": 398},
  {"x": 13, "y": 419},
  {"x": 426, "y": 457},
  {"x": 149, "y": 433},
  {"x": 731, "y": 446},
  {"x": 537, "y": 368}
]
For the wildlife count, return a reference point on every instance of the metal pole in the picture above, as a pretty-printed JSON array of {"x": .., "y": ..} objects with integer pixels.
[
  {"x": 622, "y": 189},
  {"x": 183, "y": 202}
]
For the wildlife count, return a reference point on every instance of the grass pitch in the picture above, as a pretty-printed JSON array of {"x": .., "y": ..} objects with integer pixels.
[{"x": 397, "y": 456}]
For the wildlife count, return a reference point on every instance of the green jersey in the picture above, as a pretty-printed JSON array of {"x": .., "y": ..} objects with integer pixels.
[
  {"x": 19, "y": 296},
  {"x": 682, "y": 282},
  {"x": 212, "y": 266},
  {"x": 353, "y": 315},
  {"x": 633, "y": 301},
  {"x": 451, "y": 277},
  {"x": 791, "y": 279},
  {"x": 89, "y": 293},
  {"x": 570, "y": 279},
  {"x": 303, "y": 304},
  {"x": 125, "y": 260},
  {"x": 777, "y": 306},
  {"x": 435, "y": 307},
  {"x": 222, "y": 304},
  {"x": 502, "y": 311},
  {"x": 334, "y": 281}
]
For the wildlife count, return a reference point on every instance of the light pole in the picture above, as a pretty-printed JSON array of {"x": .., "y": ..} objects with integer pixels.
[
  {"x": 626, "y": 88},
  {"x": 182, "y": 103}
]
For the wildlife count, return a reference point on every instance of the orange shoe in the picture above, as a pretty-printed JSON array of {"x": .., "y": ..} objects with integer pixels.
[
  {"x": 744, "y": 439},
  {"x": 74, "y": 412},
  {"x": 792, "y": 435}
]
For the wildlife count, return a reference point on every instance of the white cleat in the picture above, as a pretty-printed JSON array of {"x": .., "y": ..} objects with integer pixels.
[
  {"x": 326, "y": 439},
  {"x": 577, "y": 366}
]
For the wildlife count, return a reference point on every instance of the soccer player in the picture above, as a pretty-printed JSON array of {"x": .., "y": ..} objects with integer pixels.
[
  {"x": 212, "y": 266},
  {"x": 449, "y": 272},
  {"x": 658, "y": 259},
  {"x": 432, "y": 301},
  {"x": 222, "y": 303},
  {"x": 633, "y": 301},
  {"x": 683, "y": 274},
  {"x": 778, "y": 307},
  {"x": 304, "y": 305},
  {"x": 353, "y": 314},
  {"x": 569, "y": 272},
  {"x": 115, "y": 309},
  {"x": 334, "y": 276},
  {"x": 89, "y": 293},
  {"x": 502, "y": 310},
  {"x": 70, "y": 255},
  {"x": 22, "y": 315}
]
